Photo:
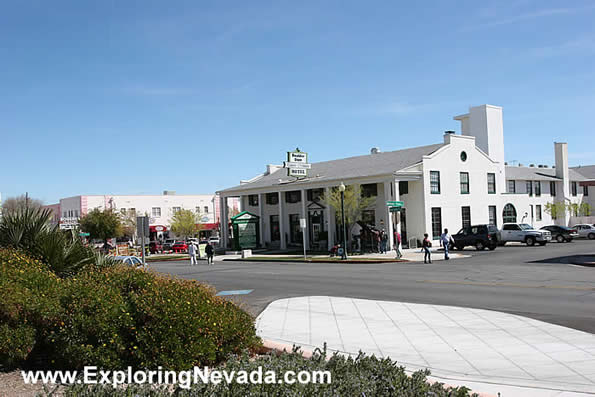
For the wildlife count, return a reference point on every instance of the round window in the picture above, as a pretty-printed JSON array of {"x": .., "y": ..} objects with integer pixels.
[{"x": 463, "y": 156}]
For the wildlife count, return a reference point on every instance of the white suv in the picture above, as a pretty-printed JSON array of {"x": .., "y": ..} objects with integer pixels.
[
  {"x": 524, "y": 233},
  {"x": 585, "y": 230}
]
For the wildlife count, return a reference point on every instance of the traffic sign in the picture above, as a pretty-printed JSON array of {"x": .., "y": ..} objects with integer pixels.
[
  {"x": 395, "y": 209},
  {"x": 395, "y": 203}
]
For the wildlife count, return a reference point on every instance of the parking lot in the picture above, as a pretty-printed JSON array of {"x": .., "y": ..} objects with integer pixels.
[{"x": 539, "y": 282}]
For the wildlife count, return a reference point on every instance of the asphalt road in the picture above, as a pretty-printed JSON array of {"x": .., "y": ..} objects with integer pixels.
[{"x": 538, "y": 282}]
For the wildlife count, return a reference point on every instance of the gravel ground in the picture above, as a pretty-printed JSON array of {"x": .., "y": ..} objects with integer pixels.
[{"x": 12, "y": 385}]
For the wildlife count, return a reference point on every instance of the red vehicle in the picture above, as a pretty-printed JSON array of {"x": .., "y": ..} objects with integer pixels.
[{"x": 180, "y": 247}]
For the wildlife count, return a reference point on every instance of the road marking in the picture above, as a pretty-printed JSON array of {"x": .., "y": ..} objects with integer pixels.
[
  {"x": 235, "y": 292},
  {"x": 574, "y": 287}
]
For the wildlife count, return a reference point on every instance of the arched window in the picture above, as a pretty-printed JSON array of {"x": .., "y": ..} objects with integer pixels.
[{"x": 509, "y": 214}]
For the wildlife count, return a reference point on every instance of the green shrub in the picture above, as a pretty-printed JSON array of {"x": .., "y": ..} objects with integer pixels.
[
  {"x": 113, "y": 317},
  {"x": 29, "y": 306},
  {"x": 360, "y": 376}
]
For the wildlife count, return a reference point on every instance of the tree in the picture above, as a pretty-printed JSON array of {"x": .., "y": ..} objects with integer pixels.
[
  {"x": 185, "y": 223},
  {"x": 101, "y": 225},
  {"x": 13, "y": 204},
  {"x": 555, "y": 210},
  {"x": 353, "y": 203}
]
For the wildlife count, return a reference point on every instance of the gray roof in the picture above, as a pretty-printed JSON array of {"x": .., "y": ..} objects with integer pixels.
[
  {"x": 538, "y": 174},
  {"x": 382, "y": 163},
  {"x": 588, "y": 171}
]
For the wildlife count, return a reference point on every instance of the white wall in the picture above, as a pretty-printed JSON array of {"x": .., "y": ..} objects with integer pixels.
[{"x": 448, "y": 161}]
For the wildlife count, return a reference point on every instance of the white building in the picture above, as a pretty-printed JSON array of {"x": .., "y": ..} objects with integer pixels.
[
  {"x": 159, "y": 208},
  {"x": 462, "y": 180}
]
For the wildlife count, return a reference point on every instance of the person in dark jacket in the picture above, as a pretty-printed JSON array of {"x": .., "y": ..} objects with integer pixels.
[
  {"x": 426, "y": 244},
  {"x": 209, "y": 251}
]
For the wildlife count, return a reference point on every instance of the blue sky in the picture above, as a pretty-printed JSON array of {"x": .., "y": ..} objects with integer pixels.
[{"x": 140, "y": 96}]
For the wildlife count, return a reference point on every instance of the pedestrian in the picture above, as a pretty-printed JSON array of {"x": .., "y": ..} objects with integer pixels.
[
  {"x": 397, "y": 241},
  {"x": 209, "y": 251},
  {"x": 426, "y": 244},
  {"x": 192, "y": 253},
  {"x": 445, "y": 239},
  {"x": 378, "y": 241},
  {"x": 383, "y": 241}
]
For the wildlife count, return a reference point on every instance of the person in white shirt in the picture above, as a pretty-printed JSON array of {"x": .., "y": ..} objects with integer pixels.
[
  {"x": 445, "y": 239},
  {"x": 192, "y": 253}
]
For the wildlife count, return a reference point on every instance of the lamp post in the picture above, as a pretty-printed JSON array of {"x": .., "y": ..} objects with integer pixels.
[{"x": 342, "y": 190}]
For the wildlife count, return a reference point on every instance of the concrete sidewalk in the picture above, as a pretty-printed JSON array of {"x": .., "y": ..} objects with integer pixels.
[
  {"x": 413, "y": 255},
  {"x": 488, "y": 351}
]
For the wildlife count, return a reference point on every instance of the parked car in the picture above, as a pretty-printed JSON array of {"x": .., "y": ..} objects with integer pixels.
[
  {"x": 214, "y": 240},
  {"x": 180, "y": 247},
  {"x": 478, "y": 236},
  {"x": 155, "y": 247},
  {"x": 585, "y": 230},
  {"x": 168, "y": 245},
  {"x": 561, "y": 233},
  {"x": 524, "y": 233},
  {"x": 130, "y": 260}
]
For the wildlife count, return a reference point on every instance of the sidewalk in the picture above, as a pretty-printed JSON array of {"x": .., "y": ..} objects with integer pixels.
[
  {"x": 412, "y": 255},
  {"x": 488, "y": 351}
]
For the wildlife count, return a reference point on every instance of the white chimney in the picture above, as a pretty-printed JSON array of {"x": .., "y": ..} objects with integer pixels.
[{"x": 271, "y": 168}]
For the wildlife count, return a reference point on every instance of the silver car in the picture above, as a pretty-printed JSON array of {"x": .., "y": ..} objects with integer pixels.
[{"x": 585, "y": 231}]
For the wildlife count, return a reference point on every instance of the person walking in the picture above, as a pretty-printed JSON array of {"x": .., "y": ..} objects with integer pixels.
[
  {"x": 445, "y": 239},
  {"x": 383, "y": 241},
  {"x": 426, "y": 244},
  {"x": 209, "y": 251},
  {"x": 397, "y": 241},
  {"x": 192, "y": 253}
]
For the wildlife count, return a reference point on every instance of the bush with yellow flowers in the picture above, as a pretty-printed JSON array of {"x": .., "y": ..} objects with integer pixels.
[{"x": 114, "y": 317}]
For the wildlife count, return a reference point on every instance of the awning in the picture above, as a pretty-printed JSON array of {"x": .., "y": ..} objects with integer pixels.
[
  {"x": 157, "y": 228},
  {"x": 209, "y": 226}
]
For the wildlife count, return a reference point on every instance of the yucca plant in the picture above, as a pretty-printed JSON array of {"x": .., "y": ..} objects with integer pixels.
[{"x": 30, "y": 231}]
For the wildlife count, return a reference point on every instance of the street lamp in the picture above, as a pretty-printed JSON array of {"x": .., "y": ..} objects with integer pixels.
[{"x": 342, "y": 190}]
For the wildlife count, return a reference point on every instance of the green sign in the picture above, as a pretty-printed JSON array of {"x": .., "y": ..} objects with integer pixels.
[
  {"x": 395, "y": 203},
  {"x": 246, "y": 230},
  {"x": 83, "y": 234},
  {"x": 395, "y": 209}
]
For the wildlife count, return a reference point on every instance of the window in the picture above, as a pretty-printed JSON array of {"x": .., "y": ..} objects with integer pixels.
[
  {"x": 573, "y": 188},
  {"x": 369, "y": 217},
  {"x": 509, "y": 214},
  {"x": 403, "y": 187},
  {"x": 206, "y": 209},
  {"x": 463, "y": 156},
  {"x": 492, "y": 215},
  {"x": 132, "y": 211},
  {"x": 491, "y": 183},
  {"x": 530, "y": 188},
  {"x": 537, "y": 188},
  {"x": 65, "y": 214},
  {"x": 369, "y": 190},
  {"x": 175, "y": 210},
  {"x": 436, "y": 222},
  {"x": 272, "y": 199},
  {"x": 197, "y": 210},
  {"x": 553, "y": 188},
  {"x": 511, "y": 187},
  {"x": 76, "y": 213},
  {"x": 275, "y": 234},
  {"x": 294, "y": 196},
  {"x": 538, "y": 212},
  {"x": 585, "y": 190},
  {"x": 253, "y": 200},
  {"x": 315, "y": 194},
  {"x": 464, "y": 182},
  {"x": 511, "y": 227},
  {"x": 435, "y": 182},
  {"x": 156, "y": 211},
  {"x": 123, "y": 211},
  {"x": 466, "y": 216}
]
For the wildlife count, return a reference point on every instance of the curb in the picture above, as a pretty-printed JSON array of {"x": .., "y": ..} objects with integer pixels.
[{"x": 318, "y": 260}]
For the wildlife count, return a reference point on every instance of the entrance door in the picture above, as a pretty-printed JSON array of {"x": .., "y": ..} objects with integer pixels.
[{"x": 315, "y": 222}]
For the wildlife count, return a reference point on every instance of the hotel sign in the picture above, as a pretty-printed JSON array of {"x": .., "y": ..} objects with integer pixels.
[{"x": 297, "y": 164}]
